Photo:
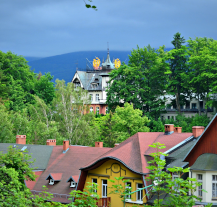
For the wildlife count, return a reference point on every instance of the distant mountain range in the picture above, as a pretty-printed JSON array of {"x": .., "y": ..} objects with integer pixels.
[{"x": 64, "y": 66}]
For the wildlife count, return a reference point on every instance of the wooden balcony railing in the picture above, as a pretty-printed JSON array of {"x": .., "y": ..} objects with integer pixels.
[{"x": 104, "y": 202}]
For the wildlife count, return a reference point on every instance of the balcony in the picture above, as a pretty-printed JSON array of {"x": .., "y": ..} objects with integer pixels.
[{"x": 104, "y": 202}]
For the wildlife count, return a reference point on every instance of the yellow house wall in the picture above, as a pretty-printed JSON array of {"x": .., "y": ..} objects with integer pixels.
[{"x": 113, "y": 168}]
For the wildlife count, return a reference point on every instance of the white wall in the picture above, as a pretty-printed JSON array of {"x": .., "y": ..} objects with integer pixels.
[{"x": 207, "y": 185}]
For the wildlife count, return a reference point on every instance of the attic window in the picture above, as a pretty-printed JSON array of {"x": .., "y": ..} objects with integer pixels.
[
  {"x": 51, "y": 182},
  {"x": 73, "y": 184},
  {"x": 94, "y": 85},
  {"x": 96, "y": 79}
]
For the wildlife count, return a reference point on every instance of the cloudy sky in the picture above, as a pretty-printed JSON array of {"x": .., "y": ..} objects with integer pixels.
[{"x": 43, "y": 28}]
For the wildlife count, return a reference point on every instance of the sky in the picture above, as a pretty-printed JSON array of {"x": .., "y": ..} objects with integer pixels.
[{"x": 43, "y": 28}]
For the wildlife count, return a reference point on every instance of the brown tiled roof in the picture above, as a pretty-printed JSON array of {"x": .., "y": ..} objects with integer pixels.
[
  {"x": 131, "y": 152},
  {"x": 67, "y": 164}
]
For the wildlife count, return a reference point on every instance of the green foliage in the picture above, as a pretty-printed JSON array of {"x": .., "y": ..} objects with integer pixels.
[
  {"x": 90, "y": 6},
  {"x": 6, "y": 126},
  {"x": 120, "y": 125},
  {"x": 156, "y": 126},
  {"x": 177, "y": 59},
  {"x": 14, "y": 169},
  {"x": 163, "y": 183},
  {"x": 70, "y": 105},
  {"x": 141, "y": 82},
  {"x": 44, "y": 88},
  {"x": 18, "y": 83},
  {"x": 85, "y": 198},
  {"x": 203, "y": 68},
  {"x": 120, "y": 188}
]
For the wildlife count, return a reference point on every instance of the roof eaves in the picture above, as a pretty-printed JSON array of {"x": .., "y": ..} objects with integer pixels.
[
  {"x": 200, "y": 137},
  {"x": 114, "y": 158}
]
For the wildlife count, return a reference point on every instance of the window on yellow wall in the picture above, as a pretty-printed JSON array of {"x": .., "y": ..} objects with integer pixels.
[
  {"x": 128, "y": 185},
  {"x": 139, "y": 194},
  {"x": 104, "y": 188},
  {"x": 94, "y": 180}
]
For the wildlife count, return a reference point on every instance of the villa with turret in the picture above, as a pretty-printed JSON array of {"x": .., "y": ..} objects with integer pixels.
[{"x": 95, "y": 82}]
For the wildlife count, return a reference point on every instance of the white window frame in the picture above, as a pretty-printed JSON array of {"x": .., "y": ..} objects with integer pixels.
[
  {"x": 94, "y": 190},
  {"x": 72, "y": 184},
  {"x": 174, "y": 176},
  {"x": 214, "y": 184},
  {"x": 139, "y": 193},
  {"x": 199, "y": 189},
  {"x": 51, "y": 182},
  {"x": 128, "y": 197},
  {"x": 91, "y": 109},
  {"x": 91, "y": 97},
  {"x": 104, "y": 186},
  {"x": 106, "y": 110},
  {"x": 97, "y": 110},
  {"x": 97, "y": 97}
]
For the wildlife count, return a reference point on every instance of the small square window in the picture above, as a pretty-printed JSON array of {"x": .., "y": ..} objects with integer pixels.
[
  {"x": 73, "y": 184},
  {"x": 97, "y": 97},
  {"x": 51, "y": 182}
]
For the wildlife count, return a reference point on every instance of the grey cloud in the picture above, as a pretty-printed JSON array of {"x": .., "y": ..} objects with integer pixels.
[{"x": 52, "y": 27}]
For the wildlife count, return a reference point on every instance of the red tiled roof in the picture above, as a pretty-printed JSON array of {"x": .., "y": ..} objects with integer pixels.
[
  {"x": 30, "y": 184},
  {"x": 55, "y": 176},
  {"x": 131, "y": 152},
  {"x": 67, "y": 164}
]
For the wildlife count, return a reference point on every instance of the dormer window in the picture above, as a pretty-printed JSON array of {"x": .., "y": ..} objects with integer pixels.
[
  {"x": 73, "y": 180},
  {"x": 54, "y": 177},
  {"x": 73, "y": 184},
  {"x": 96, "y": 79},
  {"x": 51, "y": 182},
  {"x": 77, "y": 83}
]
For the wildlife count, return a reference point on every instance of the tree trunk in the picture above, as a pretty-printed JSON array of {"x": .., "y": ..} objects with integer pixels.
[{"x": 177, "y": 101}]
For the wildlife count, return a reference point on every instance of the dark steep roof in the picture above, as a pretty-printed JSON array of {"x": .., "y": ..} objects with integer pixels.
[
  {"x": 205, "y": 161},
  {"x": 40, "y": 153}
]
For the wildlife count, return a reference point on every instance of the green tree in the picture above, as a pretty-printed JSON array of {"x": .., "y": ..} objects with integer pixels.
[
  {"x": 70, "y": 105},
  {"x": 129, "y": 121},
  {"x": 44, "y": 88},
  {"x": 6, "y": 126},
  {"x": 177, "y": 189},
  {"x": 18, "y": 78},
  {"x": 120, "y": 125},
  {"x": 105, "y": 125},
  {"x": 141, "y": 83},
  {"x": 177, "y": 59},
  {"x": 86, "y": 198},
  {"x": 203, "y": 69},
  {"x": 15, "y": 167}
]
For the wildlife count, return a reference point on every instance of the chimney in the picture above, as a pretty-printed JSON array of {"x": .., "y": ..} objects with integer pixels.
[
  {"x": 116, "y": 144},
  {"x": 178, "y": 129},
  {"x": 65, "y": 146},
  {"x": 197, "y": 130},
  {"x": 169, "y": 128},
  {"x": 99, "y": 144},
  {"x": 51, "y": 142},
  {"x": 20, "y": 139}
]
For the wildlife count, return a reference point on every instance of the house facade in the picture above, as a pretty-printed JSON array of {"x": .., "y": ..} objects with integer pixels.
[
  {"x": 65, "y": 167},
  {"x": 202, "y": 159},
  {"x": 95, "y": 81}
]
